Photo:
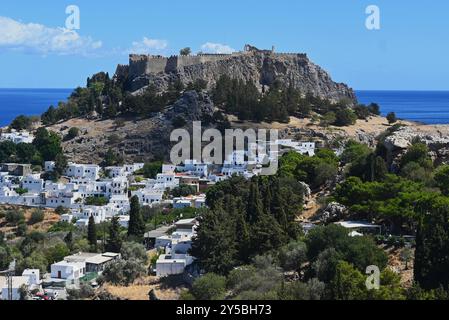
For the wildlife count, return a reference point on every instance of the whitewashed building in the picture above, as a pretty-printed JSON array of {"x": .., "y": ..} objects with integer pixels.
[{"x": 17, "y": 137}]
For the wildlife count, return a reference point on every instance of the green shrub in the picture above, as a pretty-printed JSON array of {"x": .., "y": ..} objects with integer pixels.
[{"x": 36, "y": 217}]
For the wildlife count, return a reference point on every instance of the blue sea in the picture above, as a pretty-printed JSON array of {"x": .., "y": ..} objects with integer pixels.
[
  {"x": 430, "y": 107},
  {"x": 14, "y": 102}
]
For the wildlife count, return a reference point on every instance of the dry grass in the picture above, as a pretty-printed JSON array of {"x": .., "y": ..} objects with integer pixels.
[
  {"x": 140, "y": 289},
  {"x": 50, "y": 219},
  {"x": 396, "y": 263}
]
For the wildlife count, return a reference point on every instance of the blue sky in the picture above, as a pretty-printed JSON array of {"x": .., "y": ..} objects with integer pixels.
[{"x": 409, "y": 52}]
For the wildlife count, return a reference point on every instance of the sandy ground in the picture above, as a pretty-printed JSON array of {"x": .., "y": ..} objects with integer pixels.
[{"x": 373, "y": 125}]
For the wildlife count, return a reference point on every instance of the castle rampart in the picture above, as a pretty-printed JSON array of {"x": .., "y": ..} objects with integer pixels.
[{"x": 153, "y": 64}]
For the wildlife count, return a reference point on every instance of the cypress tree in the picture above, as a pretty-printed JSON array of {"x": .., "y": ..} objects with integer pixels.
[
  {"x": 241, "y": 233},
  {"x": 277, "y": 207},
  {"x": 114, "y": 242},
  {"x": 267, "y": 198},
  {"x": 254, "y": 207},
  {"x": 68, "y": 239},
  {"x": 136, "y": 223},
  {"x": 92, "y": 233}
]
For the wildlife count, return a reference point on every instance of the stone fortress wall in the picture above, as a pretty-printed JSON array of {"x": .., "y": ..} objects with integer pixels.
[{"x": 154, "y": 64}]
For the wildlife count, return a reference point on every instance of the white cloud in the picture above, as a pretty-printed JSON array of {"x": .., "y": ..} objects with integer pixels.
[
  {"x": 39, "y": 39},
  {"x": 210, "y": 47},
  {"x": 148, "y": 45}
]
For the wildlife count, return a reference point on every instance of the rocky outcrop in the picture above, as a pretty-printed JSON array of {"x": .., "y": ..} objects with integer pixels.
[
  {"x": 260, "y": 67},
  {"x": 333, "y": 212},
  {"x": 437, "y": 142},
  {"x": 307, "y": 190},
  {"x": 192, "y": 106}
]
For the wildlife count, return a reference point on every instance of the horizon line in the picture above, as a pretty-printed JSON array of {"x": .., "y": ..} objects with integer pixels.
[{"x": 68, "y": 88}]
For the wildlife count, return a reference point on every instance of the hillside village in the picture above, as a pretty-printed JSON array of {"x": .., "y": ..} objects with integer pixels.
[{"x": 81, "y": 184}]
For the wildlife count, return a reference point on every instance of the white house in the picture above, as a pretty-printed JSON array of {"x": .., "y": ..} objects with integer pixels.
[
  {"x": 120, "y": 202},
  {"x": 49, "y": 166},
  {"x": 33, "y": 276},
  {"x": 193, "y": 167},
  {"x": 33, "y": 183},
  {"x": 131, "y": 168},
  {"x": 148, "y": 197},
  {"x": 168, "y": 265},
  {"x": 166, "y": 181},
  {"x": 68, "y": 270},
  {"x": 115, "y": 171},
  {"x": 88, "y": 171},
  {"x": 177, "y": 246}
]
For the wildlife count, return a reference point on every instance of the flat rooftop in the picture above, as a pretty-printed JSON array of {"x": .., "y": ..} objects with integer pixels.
[
  {"x": 357, "y": 224},
  {"x": 158, "y": 232}
]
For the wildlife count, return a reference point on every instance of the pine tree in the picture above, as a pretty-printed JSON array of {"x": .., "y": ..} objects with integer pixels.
[
  {"x": 114, "y": 242},
  {"x": 215, "y": 245},
  {"x": 136, "y": 223},
  {"x": 92, "y": 233},
  {"x": 432, "y": 247}
]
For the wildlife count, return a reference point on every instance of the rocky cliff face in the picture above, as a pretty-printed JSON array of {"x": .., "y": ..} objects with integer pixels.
[{"x": 259, "y": 67}]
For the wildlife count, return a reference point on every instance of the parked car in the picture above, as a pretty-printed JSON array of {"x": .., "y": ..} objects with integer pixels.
[{"x": 52, "y": 294}]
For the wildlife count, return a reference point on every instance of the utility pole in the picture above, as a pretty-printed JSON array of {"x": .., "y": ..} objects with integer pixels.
[{"x": 9, "y": 275}]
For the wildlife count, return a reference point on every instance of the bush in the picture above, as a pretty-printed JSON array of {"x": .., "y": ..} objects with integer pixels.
[
  {"x": 36, "y": 217},
  {"x": 151, "y": 169},
  {"x": 61, "y": 226},
  {"x": 134, "y": 251},
  {"x": 293, "y": 255},
  {"x": 179, "y": 122},
  {"x": 113, "y": 139},
  {"x": 391, "y": 117},
  {"x": 209, "y": 287},
  {"x": 183, "y": 191},
  {"x": 61, "y": 210},
  {"x": 15, "y": 217},
  {"x": 123, "y": 272},
  {"x": 21, "y": 123},
  {"x": 96, "y": 201},
  {"x": 345, "y": 117},
  {"x": 84, "y": 292},
  {"x": 21, "y": 191},
  {"x": 21, "y": 229},
  {"x": 72, "y": 134}
]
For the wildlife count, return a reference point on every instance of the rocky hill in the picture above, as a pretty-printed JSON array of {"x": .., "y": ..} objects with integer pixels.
[
  {"x": 261, "y": 67},
  {"x": 135, "y": 139}
]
